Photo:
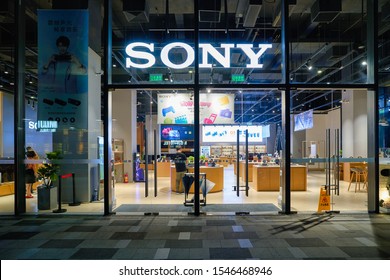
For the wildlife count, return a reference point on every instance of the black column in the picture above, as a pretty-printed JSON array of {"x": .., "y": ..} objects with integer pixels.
[
  {"x": 19, "y": 114},
  {"x": 373, "y": 106},
  {"x": 107, "y": 111},
  {"x": 286, "y": 130},
  {"x": 196, "y": 111}
]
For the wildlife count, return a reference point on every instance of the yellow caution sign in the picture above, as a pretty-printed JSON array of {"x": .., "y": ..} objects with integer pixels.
[{"x": 324, "y": 201}]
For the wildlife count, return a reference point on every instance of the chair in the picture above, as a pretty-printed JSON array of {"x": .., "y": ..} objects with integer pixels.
[{"x": 360, "y": 173}]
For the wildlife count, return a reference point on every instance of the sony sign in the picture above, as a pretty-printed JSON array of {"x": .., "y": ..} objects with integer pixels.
[{"x": 144, "y": 51}]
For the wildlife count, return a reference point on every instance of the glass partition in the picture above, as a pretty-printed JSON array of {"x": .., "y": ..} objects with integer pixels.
[
  {"x": 153, "y": 42},
  {"x": 63, "y": 107},
  {"x": 7, "y": 168},
  {"x": 384, "y": 108},
  {"x": 329, "y": 140},
  {"x": 328, "y": 42},
  {"x": 241, "y": 43}
]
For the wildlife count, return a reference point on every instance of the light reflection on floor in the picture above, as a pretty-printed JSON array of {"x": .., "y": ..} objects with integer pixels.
[{"x": 133, "y": 193}]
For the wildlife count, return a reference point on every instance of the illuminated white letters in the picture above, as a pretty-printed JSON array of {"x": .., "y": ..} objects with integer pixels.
[
  {"x": 165, "y": 55},
  {"x": 139, "y": 54},
  {"x": 134, "y": 51},
  {"x": 32, "y": 125},
  {"x": 209, "y": 49},
  {"x": 254, "y": 57}
]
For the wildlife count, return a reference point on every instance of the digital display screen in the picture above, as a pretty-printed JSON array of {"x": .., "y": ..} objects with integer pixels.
[
  {"x": 303, "y": 120},
  {"x": 177, "y": 132}
]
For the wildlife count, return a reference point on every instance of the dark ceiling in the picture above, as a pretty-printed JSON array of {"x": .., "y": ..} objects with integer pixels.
[{"x": 329, "y": 36}]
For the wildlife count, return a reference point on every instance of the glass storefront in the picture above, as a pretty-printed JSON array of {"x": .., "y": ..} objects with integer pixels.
[
  {"x": 329, "y": 138},
  {"x": 383, "y": 108},
  {"x": 116, "y": 95}
]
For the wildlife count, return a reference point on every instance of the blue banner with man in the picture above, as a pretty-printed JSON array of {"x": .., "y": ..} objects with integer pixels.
[{"x": 62, "y": 67}]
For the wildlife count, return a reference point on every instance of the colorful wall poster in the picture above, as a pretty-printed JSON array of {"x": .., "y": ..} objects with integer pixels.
[
  {"x": 179, "y": 109},
  {"x": 228, "y": 133},
  {"x": 216, "y": 108},
  {"x": 62, "y": 67},
  {"x": 175, "y": 109}
]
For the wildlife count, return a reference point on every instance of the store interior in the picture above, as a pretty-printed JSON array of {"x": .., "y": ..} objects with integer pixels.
[{"x": 218, "y": 158}]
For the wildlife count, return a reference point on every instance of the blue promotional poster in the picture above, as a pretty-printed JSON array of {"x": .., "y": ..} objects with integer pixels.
[{"x": 62, "y": 64}]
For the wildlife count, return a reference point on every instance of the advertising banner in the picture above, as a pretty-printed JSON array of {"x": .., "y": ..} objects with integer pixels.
[
  {"x": 228, "y": 133},
  {"x": 179, "y": 109},
  {"x": 62, "y": 67},
  {"x": 216, "y": 108}
]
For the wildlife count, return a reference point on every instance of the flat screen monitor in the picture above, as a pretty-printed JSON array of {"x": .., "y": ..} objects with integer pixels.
[
  {"x": 177, "y": 132},
  {"x": 303, "y": 120}
]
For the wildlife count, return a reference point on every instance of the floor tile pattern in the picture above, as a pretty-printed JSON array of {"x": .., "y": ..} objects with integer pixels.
[{"x": 160, "y": 237}]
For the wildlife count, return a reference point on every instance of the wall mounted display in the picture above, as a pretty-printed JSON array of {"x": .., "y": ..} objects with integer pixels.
[
  {"x": 303, "y": 120},
  {"x": 177, "y": 132},
  {"x": 179, "y": 109},
  {"x": 228, "y": 133}
]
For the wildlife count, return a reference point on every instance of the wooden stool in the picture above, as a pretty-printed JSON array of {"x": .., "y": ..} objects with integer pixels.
[{"x": 359, "y": 174}]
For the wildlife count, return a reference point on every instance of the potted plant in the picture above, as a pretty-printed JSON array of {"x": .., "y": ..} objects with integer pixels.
[
  {"x": 191, "y": 159},
  {"x": 48, "y": 173}
]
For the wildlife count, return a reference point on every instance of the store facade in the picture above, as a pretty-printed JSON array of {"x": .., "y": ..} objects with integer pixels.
[{"x": 238, "y": 84}]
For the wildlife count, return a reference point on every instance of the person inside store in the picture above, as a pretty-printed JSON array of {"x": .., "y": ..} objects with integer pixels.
[
  {"x": 35, "y": 166},
  {"x": 181, "y": 168},
  {"x": 30, "y": 174}
]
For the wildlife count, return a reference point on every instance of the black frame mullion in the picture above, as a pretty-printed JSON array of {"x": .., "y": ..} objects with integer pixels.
[
  {"x": 107, "y": 111},
  {"x": 196, "y": 113},
  {"x": 19, "y": 111}
]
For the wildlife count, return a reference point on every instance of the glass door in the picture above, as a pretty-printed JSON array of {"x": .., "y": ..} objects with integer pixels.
[
  {"x": 164, "y": 128},
  {"x": 172, "y": 122},
  {"x": 329, "y": 150},
  {"x": 238, "y": 139}
]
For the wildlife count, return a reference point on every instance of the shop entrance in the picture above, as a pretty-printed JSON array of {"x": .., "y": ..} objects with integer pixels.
[
  {"x": 154, "y": 132},
  {"x": 329, "y": 139},
  {"x": 239, "y": 144}
]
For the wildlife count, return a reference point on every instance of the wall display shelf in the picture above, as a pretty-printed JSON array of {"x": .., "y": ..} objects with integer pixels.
[
  {"x": 169, "y": 146},
  {"x": 118, "y": 153},
  {"x": 231, "y": 151}
]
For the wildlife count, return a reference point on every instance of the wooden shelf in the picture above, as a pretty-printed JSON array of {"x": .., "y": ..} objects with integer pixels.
[{"x": 117, "y": 151}]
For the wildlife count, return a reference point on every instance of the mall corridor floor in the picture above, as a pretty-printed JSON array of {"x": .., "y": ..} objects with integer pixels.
[{"x": 123, "y": 237}]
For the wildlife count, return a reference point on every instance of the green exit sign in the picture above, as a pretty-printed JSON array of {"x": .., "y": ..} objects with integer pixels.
[
  {"x": 155, "y": 77},
  {"x": 238, "y": 78}
]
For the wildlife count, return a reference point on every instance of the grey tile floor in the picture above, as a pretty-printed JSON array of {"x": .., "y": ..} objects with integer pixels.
[{"x": 122, "y": 237}]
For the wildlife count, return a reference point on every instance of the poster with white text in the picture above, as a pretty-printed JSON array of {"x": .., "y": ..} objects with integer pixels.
[{"x": 62, "y": 67}]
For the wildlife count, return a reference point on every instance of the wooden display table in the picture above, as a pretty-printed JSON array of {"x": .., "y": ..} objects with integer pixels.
[
  {"x": 8, "y": 188},
  {"x": 214, "y": 174},
  {"x": 163, "y": 169},
  {"x": 267, "y": 178},
  {"x": 150, "y": 166},
  {"x": 250, "y": 170}
]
